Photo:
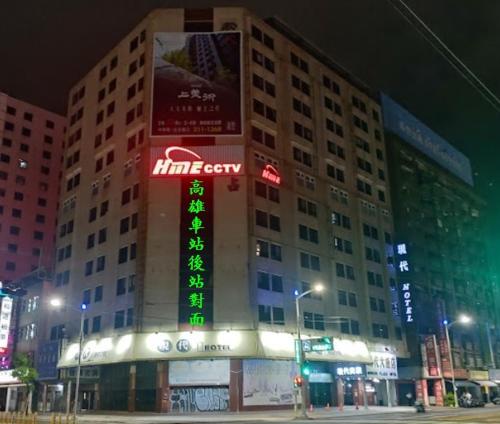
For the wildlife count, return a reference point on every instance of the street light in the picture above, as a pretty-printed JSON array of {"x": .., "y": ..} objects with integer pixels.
[
  {"x": 56, "y": 302},
  {"x": 318, "y": 288},
  {"x": 462, "y": 319}
]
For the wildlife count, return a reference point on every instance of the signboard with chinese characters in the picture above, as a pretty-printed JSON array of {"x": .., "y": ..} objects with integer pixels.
[
  {"x": 350, "y": 370},
  {"x": 196, "y": 253},
  {"x": 403, "y": 265},
  {"x": 199, "y": 161},
  {"x": 196, "y": 88},
  {"x": 384, "y": 366},
  {"x": 5, "y": 317},
  {"x": 431, "y": 354}
]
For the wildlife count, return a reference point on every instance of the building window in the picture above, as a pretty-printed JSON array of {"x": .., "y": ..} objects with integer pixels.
[
  {"x": 96, "y": 324},
  {"x": 101, "y": 263},
  {"x": 98, "y": 293},
  {"x": 121, "y": 286},
  {"x": 119, "y": 319}
]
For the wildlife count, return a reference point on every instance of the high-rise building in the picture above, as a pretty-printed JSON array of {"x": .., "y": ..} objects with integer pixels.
[
  {"x": 256, "y": 170},
  {"x": 30, "y": 162},
  {"x": 441, "y": 261}
]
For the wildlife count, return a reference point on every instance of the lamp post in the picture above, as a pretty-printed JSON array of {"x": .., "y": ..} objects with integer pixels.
[
  {"x": 300, "y": 353},
  {"x": 83, "y": 307},
  {"x": 462, "y": 319}
]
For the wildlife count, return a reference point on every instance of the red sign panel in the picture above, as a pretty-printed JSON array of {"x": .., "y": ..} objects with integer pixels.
[
  {"x": 199, "y": 161},
  {"x": 432, "y": 356},
  {"x": 271, "y": 174}
]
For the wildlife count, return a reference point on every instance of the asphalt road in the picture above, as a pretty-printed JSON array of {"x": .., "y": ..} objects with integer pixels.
[{"x": 463, "y": 416}]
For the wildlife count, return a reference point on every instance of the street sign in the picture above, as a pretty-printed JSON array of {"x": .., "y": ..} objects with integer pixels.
[{"x": 318, "y": 344}]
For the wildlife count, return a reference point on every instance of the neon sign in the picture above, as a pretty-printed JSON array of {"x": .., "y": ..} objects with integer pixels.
[
  {"x": 405, "y": 288},
  {"x": 195, "y": 294},
  {"x": 197, "y": 161},
  {"x": 404, "y": 267},
  {"x": 270, "y": 173}
]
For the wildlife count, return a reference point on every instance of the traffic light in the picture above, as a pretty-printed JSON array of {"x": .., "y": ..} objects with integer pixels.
[
  {"x": 306, "y": 368},
  {"x": 297, "y": 381}
]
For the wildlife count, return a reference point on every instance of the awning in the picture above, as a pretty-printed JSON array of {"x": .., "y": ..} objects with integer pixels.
[
  {"x": 486, "y": 383},
  {"x": 462, "y": 383}
]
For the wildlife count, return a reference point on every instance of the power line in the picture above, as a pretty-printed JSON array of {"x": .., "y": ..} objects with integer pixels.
[{"x": 426, "y": 32}]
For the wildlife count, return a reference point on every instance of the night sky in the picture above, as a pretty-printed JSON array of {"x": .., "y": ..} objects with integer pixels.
[{"x": 46, "y": 46}]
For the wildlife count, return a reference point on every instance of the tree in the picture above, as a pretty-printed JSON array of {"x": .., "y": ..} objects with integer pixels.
[{"x": 25, "y": 373}]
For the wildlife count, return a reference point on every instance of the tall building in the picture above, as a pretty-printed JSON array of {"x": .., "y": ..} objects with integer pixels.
[
  {"x": 256, "y": 170},
  {"x": 30, "y": 163},
  {"x": 442, "y": 260}
]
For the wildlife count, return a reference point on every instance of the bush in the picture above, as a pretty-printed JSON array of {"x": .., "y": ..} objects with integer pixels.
[{"x": 449, "y": 400}]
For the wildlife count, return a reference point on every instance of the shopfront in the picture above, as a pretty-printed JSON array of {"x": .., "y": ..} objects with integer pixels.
[{"x": 213, "y": 371}]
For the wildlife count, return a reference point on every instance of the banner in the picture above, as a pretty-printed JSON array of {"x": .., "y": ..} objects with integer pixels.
[
  {"x": 268, "y": 382},
  {"x": 196, "y": 88}
]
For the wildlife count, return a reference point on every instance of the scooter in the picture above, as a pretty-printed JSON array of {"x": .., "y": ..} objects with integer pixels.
[{"x": 419, "y": 406}]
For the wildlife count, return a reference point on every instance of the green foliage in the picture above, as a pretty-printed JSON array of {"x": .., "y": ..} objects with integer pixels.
[
  {"x": 180, "y": 59},
  {"x": 449, "y": 400},
  {"x": 24, "y": 371}
]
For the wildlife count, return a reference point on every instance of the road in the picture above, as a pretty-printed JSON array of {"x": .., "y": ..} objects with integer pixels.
[{"x": 373, "y": 415}]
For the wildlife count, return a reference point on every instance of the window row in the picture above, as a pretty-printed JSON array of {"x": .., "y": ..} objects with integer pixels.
[
  {"x": 263, "y": 219},
  {"x": 266, "y": 249}
]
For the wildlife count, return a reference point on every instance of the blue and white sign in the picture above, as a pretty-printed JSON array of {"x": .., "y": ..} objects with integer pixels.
[{"x": 402, "y": 123}]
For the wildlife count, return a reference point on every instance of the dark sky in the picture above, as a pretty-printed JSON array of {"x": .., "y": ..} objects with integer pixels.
[{"x": 45, "y": 46}]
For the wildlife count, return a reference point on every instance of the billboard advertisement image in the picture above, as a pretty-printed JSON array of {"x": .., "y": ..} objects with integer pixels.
[{"x": 196, "y": 88}]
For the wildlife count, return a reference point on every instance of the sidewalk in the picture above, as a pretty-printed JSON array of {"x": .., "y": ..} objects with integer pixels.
[{"x": 214, "y": 417}]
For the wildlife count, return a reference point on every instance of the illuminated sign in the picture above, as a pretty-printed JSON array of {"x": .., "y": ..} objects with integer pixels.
[
  {"x": 196, "y": 84},
  {"x": 196, "y": 287},
  {"x": 175, "y": 161},
  {"x": 350, "y": 371},
  {"x": 270, "y": 173},
  {"x": 5, "y": 316},
  {"x": 404, "y": 267}
]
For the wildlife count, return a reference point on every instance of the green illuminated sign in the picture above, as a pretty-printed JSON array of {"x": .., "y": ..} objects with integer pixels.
[{"x": 196, "y": 261}]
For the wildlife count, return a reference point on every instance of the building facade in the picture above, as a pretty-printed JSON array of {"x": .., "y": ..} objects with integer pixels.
[
  {"x": 442, "y": 261},
  {"x": 256, "y": 170},
  {"x": 30, "y": 163}
]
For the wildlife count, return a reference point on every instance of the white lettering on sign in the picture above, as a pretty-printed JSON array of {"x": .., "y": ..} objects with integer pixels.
[
  {"x": 403, "y": 266},
  {"x": 270, "y": 173},
  {"x": 350, "y": 370},
  {"x": 401, "y": 249},
  {"x": 405, "y": 287},
  {"x": 5, "y": 317},
  {"x": 195, "y": 166}
]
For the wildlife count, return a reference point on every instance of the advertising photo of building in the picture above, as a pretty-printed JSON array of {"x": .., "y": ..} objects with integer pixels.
[
  {"x": 224, "y": 171},
  {"x": 443, "y": 275}
]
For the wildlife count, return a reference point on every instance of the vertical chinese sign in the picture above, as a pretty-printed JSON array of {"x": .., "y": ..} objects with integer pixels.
[
  {"x": 5, "y": 317},
  {"x": 196, "y": 84},
  {"x": 196, "y": 253},
  {"x": 406, "y": 288},
  {"x": 196, "y": 167}
]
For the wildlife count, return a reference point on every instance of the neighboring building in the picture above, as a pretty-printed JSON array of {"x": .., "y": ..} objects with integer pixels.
[
  {"x": 31, "y": 309},
  {"x": 190, "y": 280},
  {"x": 441, "y": 259},
  {"x": 30, "y": 161}
]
